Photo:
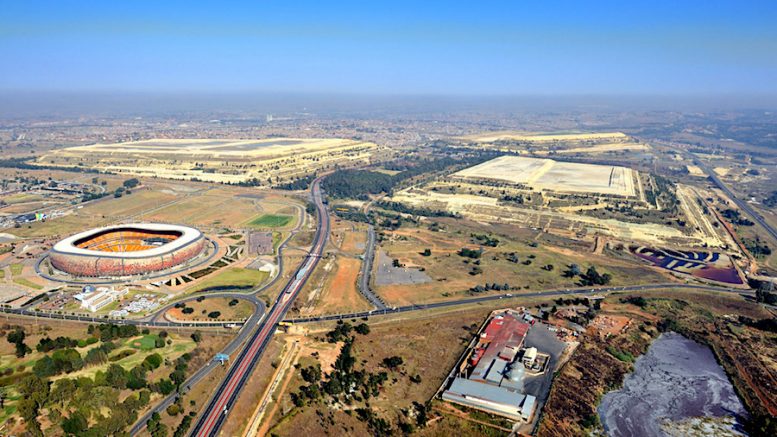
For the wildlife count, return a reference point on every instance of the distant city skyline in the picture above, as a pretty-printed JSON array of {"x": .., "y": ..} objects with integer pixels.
[{"x": 409, "y": 48}]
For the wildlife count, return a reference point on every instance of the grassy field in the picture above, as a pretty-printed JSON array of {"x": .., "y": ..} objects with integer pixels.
[
  {"x": 16, "y": 269},
  {"x": 270, "y": 221},
  {"x": 27, "y": 283},
  {"x": 145, "y": 343},
  {"x": 211, "y": 208},
  {"x": 452, "y": 275},
  {"x": 239, "y": 311},
  {"x": 233, "y": 278},
  {"x": 144, "y": 346}
]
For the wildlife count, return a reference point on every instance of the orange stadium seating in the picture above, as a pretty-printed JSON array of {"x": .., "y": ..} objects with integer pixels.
[{"x": 123, "y": 241}]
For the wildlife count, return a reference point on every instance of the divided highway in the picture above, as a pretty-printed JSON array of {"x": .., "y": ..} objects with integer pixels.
[
  {"x": 546, "y": 293},
  {"x": 217, "y": 409},
  {"x": 739, "y": 202}
]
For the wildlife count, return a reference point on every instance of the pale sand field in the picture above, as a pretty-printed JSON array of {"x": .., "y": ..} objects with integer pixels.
[
  {"x": 721, "y": 171},
  {"x": 541, "y": 137},
  {"x": 269, "y": 147},
  {"x": 547, "y": 174},
  {"x": 694, "y": 170},
  {"x": 225, "y": 160},
  {"x": 609, "y": 147},
  {"x": 178, "y": 174}
]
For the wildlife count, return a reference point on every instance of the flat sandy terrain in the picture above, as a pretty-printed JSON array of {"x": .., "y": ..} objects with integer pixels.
[
  {"x": 551, "y": 175},
  {"x": 603, "y": 148},
  {"x": 216, "y": 160},
  {"x": 270, "y": 147}
]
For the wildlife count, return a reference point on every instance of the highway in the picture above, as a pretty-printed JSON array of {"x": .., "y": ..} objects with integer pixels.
[
  {"x": 217, "y": 410},
  {"x": 136, "y": 322},
  {"x": 243, "y": 334},
  {"x": 546, "y": 293},
  {"x": 364, "y": 279},
  {"x": 744, "y": 206}
]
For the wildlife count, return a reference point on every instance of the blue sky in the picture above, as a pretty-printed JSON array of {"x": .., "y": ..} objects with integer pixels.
[{"x": 418, "y": 47}]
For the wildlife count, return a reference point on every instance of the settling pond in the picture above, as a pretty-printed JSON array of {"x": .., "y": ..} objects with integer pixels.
[{"x": 676, "y": 388}]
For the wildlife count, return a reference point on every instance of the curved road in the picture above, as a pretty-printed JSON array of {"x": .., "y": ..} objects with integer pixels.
[
  {"x": 259, "y": 305},
  {"x": 232, "y": 346},
  {"x": 217, "y": 409},
  {"x": 364, "y": 279}
]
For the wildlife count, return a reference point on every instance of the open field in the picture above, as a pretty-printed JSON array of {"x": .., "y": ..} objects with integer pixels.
[
  {"x": 452, "y": 275},
  {"x": 340, "y": 294},
  {"x": 429, "y": 347},
  {"x": 227, "y": 309},
  {"x": 546, "y": 174},
  {"x": 232, "y": 278},
  {"x": 217, "y": 160},
  {"x": 215, "y": 207}
]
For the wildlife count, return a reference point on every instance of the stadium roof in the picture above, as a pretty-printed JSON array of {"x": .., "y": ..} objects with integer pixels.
[{"x": 188, "y": 235}]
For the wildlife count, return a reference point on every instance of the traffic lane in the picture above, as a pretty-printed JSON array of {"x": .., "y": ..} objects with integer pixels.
[
  {"x": 740, "y": 203},
  {"x": 200, "y": 374},
  {"x": 548, "y": 293},
  {"x": 227, "y": 394},
  {"x": 101, "y": 320},
  {"x": 213, "y": 417}
]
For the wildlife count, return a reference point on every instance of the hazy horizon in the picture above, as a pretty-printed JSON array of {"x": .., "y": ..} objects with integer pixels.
[
  {"x": 405, "y": 48},
  {"x": 22, "y": 104}
]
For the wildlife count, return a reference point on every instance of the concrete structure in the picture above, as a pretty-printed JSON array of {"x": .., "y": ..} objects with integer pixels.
[
  {"x": 493, "y": 376},
  {"x": 529, "y": 355},
  {"x": 493, "y": 399},
  {"x": 124, "y": 250},
  {"x": 94, "y": 299}
]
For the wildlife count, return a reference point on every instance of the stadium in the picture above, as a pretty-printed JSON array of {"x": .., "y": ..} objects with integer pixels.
[{"x": 125, "y": 250}]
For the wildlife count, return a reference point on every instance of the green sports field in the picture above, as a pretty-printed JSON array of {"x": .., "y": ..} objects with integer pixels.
[{"x": 271, "y": 221}]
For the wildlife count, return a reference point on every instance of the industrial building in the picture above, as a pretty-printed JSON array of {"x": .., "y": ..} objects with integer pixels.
[{"x": 491, "y": 376}]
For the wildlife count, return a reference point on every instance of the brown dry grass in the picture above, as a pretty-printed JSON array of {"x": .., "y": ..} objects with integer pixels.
[
  {"x": 354, "y": 241},
  {"x": 451, "y": 276},
  {"x": 341, "y": 294},
  {"x": 429, "y": 347}
]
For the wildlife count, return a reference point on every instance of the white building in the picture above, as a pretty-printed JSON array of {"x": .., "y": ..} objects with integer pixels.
[
  {"x": 529, "y": 356},
  {"x": 94, "y": 299}
]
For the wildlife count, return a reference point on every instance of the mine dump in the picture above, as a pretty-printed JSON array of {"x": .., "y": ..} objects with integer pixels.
[
  {"x": 257, "y": 162},
  {"x": 550, "y": 175}
]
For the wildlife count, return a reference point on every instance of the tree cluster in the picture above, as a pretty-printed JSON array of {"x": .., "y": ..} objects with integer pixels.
[
  {"x": 110, "y": 331},
  {"x": 16, "y": 337},
  {"x": 470, "y": 253}
]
